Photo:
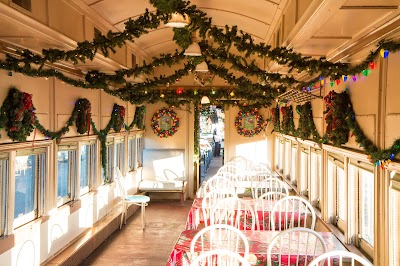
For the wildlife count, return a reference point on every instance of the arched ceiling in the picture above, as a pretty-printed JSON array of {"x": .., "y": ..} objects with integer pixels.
[{"x": 255, "y": 17}]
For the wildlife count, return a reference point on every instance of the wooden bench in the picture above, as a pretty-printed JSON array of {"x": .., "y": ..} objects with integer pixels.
[{"x": 164, "y": 171}]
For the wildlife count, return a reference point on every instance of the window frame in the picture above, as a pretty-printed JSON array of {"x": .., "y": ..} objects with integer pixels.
[
  {"x": 119, "y": 152},
  {"x": 72, "y": 148},
  {"x": 294, "y": 157},
  {"x": 304, "y": 167},
  {"x": 355, "y": 205},
  {"x": 132, "y": 153},
  {"x": 394, "y": 216},
  {"x": 340, "y": 223},
  {"x": 4, "y": 186},
  {"x": 40, "y": 184},
  {"x": 92, "y": 166},
  {"x": 287, "y": 162},
  {"x": 316, "y": 180}
]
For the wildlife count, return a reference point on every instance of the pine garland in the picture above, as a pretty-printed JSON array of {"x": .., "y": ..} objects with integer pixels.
[
  {"x": 276, "y": 119},
  {"x": 287, "y": 126},
  {"x": 306, "y": 124},
  {"x": 337, "y": 106}
]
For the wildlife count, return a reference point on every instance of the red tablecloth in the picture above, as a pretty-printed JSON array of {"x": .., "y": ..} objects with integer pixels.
[{"x": 258, "y": 246}]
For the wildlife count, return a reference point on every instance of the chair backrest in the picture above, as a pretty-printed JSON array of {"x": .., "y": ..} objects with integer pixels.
[
  {"x": 231, "y": 168},
  {"x": 263, "y": 208},
  {"x": 295, "y": 246},
  {"x": 292, "y": 211},
  {"x": 240, "y": 162},
  {"x": 217, "y": 182},
  {"x": 269, "y": 184},
  {"x": 220, "y": 257},
  {"x": 212, "y": 198},
  {"x": 235, "y": 212},
  {"x": 336, "y": 258},
  {"x": 260, "y": 167},
  {"x": 220, "y": 236},
  {"x": 120, "y": 182}
]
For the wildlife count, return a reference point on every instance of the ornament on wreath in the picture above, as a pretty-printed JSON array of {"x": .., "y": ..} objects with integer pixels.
[
  {"x": 83, "y": 118},
  {"x": 249, "y": 123},
  {"x": 165, "y": 122}
]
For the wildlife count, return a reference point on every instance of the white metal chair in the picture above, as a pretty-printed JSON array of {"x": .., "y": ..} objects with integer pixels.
[
  {"x": 337, "y": 258},
  {"x": 260, "y": 167},
  {"x": 128, "y": 200},
  {"x": 295, "y": 246},
  {"x": 220, "y": 257},
  {"x": 240, "y": 162},
  {"x": 235, "y": 212},
  {"x": 231, "y": 168},
  {"x": 212, "y": 198},
  {"x": 292, "y": 211},
  {"x": 218, "y": 182},
  {"x": 269, "y": 184},
  {"x": 220, "y": 236},
  {"x": 263, "y": 208}
]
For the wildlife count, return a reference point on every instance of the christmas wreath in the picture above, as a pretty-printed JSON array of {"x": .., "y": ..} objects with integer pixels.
[
  {"x": 18, "y": 114},
  {"x": 82, "y": 121},
  {"x": 169, "y": 123},
  {"x": 118, "y": 117},
  {"x": 249, "y": 117}
]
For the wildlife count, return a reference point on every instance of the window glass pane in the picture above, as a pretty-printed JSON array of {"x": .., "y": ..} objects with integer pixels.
[
  {"x": 110, "y": 162},
  {"x": 304, "y": 173},
  {"x": 63, "y": 163},
  {"x": 85, "y": 166},
  {"x": 316, "y": 178},
  {"x": 281, "y": 155},
  {"x": 132, "y": 154},
  {"x": 120, "y": 159},
  {"x": 3, "y": 192},
  {"x": 394, "y": 226},
  {"x": 341, "y": 193},
  {"x": 293, "y": 169},
  {"x": 25, "y": 184},
  {"x": 287, "y": 159},
  {"x": 277, "y": 150},
  {"x": 366, "y": 206}
]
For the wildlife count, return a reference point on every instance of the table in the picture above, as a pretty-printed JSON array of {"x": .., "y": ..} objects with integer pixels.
[{"x": 258, "y": 246}]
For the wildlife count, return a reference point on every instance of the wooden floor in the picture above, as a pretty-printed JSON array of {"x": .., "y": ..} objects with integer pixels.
[{"x": 151, "y": 247}]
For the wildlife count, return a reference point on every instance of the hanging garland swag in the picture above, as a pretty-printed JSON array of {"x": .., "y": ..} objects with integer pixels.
[
  {"x": 249, "y": 123},
  {"x": 165, "y": 123}
]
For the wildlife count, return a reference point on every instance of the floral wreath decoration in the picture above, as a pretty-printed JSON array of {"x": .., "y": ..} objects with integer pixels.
[
  {"x": 249, "y": 132},
  {"x": 155, "y": 124}
]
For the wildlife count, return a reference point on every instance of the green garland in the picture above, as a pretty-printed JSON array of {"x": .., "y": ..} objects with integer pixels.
[
  {"x": 155, "y": 124},
  {"x": 276, "y": 119},
  {"x": 18, "y": 114},
  {"x": 82, "y": 122},
  {"x": 138, "y": 119},
  {"x": 287, "y": 126},
  {"x": 258, "y": 127},
  {"x": 37, "y": 65},
  {"x": 306, "y": 124},
  {"x": 337, "y": 106}
]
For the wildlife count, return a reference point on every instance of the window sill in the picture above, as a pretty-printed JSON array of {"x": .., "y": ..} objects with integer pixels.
[{"x": 70, "y": 207}]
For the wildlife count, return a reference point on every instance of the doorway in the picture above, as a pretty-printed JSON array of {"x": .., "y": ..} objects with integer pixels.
[{"x": 212, "y": 137}]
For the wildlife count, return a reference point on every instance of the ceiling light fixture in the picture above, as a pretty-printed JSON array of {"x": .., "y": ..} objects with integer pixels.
[
  {"x": 178, "y": 21},
  {"x": 194, "y": 48},
  {"x": 205, "y": 100},
  {"x": 202, "y": 67}
]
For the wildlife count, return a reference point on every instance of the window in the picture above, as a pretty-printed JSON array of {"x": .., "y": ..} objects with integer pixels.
[
  {"x": 394, "y": 218},
  {"x": 132, "y": 162},
  {"x": 338, "y": 198},
  {"x": 120, "y": 153},
  {"x": 362, "y": 176},
  {"x": 315, "y": 184},
  {"x": 286, "y": 169},
  {"x": 4, "y": 173},
  {"x": 139, "y": 150},
  {"x": 304, "y": 177},
  {"x": 88, "y": 166},
  {"x": 29, "y": 177},
  {"x": 25, "y": 4},
  {"x": 279, "y": 150},
  {"x": 66, "y": 173},
  {"x": 293, "y": 168},
  {"x": 110, "y": 161}
]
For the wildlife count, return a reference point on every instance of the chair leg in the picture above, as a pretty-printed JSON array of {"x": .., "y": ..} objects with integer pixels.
[{"x": 143, "y": 215}]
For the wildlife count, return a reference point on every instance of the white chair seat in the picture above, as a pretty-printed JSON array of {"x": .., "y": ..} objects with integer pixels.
[
  {"x": 137, "y": 198},
  {"x": 151, "y": 185}
]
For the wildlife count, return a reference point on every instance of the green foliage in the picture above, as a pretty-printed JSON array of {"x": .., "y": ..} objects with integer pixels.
[
  {"x": 182, "y": 37},
  {"x": 287, "y": 126},
  {"x": 306, "y": 123},
  {"x": 82, "y": 121},
  {"x": 276, "y": 119}
]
